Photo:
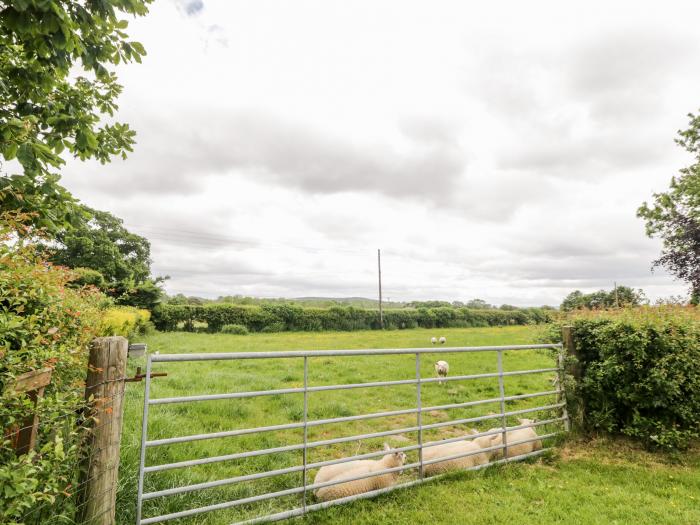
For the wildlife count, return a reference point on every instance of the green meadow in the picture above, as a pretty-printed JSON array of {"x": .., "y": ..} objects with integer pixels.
[{"x": 579, "y": 479}]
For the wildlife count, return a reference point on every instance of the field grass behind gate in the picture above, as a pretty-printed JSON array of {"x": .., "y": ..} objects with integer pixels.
[
  {"x": 402, "y": 507},
  {"x": 232, "y": 376}
]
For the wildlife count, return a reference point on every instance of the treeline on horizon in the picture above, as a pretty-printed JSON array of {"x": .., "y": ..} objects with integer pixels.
[
  {"x": 281, "y": 317},
  {"x": 327, "y": 302}
]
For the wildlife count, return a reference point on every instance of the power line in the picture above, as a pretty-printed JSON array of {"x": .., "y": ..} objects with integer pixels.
[{"x": 209, "y": 240}]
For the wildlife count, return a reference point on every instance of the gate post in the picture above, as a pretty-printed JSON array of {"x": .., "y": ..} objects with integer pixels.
[
  {"x": 573, "y": 367},
  {"x": 104, "y": 390},
  {"x": 567, "y": 335}
]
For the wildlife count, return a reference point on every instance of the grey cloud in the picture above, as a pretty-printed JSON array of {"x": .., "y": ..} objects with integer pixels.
[
  {"x": 603, "y": 269},
  {"x": 592, "y": 157},
  {"x": 173, "y": 154},
  {"x": 636, "y": 63},
  {"x": 435, "y": 130},
  {"x": 617, "y": 84}
]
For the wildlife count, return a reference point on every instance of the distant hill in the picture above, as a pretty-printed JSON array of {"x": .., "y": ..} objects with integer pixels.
[
  {"x": 321, "y": 302},
  {"x": 359, "y": 302}
]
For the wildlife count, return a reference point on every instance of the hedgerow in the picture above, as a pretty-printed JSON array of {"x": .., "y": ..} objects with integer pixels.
[
  {"x": 640, "y": 373},
  {"x": 291, "y": 317},
  {"x": 43, "y": 323}
]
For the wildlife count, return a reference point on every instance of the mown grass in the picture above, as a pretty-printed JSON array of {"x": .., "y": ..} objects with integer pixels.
[{"x": 498, "y": 492}]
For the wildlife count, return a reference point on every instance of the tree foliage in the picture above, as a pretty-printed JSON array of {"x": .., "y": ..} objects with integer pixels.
[
  {"x": 619, "y": 297},
  {"x": 674, "y": 215},
  {"x": 100, "y": 246},
  {"x": 58, "y": 94}
]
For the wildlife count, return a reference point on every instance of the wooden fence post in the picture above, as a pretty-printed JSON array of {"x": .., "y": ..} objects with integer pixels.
[
  {"x": 105, "y": 390},
  {"x": 567, "y": 335},
  {"x": 574, "y": 368}
]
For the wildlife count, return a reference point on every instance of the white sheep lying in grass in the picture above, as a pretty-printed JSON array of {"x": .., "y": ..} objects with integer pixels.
[
  {"x": 330, "y": 471},
  {"x": 453, "y": 449},
  {"x": 359, "y": 486},
  {"x": 512, "y": 436}
]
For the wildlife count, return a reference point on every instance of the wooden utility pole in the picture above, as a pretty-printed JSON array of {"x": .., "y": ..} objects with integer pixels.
[
  {"x": 617, "y": 300},
  {"x": 104, "y": 390},
  {"x": 379, "y": 267}
]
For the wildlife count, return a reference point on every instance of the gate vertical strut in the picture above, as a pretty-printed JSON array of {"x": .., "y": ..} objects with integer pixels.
[
  {"x": 306, "y": 416},
  {"x": 144, "y": 437},
  {"x": 502, "y": 392},
  {"x": 419, "y": 417},
  {"x": 561, "y": 397}
]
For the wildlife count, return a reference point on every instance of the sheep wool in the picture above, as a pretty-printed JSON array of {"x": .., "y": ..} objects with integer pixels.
[
  {"x": 453, "y": 449},
  {"x": 331, "y": 471},
  {"x": 442, "y": 368},
  {"x": 512, "y": 436},
  {"x": 359, "y": 486}
]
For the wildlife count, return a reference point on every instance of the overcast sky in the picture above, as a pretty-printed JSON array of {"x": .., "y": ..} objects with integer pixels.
[{"x": 497, "y": 151}]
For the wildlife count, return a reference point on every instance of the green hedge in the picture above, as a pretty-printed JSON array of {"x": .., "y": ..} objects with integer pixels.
[
  {"x": 289, "y": 317},
  {"x": 640, "y": 373},
  {"x": 44, "y": 322}
]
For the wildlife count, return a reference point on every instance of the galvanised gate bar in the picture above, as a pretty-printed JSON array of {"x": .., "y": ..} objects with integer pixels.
[{"x": 305, "y": 424}]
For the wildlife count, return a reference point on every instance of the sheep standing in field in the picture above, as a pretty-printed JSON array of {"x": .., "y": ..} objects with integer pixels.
[
  {"x": 442, "y": 368},
  {"x": 512, "y": 436},
  {"x": 452, "y": 449},
  {"x": 442, "y": 340},
  {"x": 433, "y": 340},
  {"x": 359, "y": 486}
]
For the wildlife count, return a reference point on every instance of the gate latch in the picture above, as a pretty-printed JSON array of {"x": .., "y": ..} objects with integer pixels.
[{"x": 139, "y": 376}]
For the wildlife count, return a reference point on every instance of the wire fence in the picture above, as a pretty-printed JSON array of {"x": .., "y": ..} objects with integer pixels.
[{"x": 74, "y": 448}]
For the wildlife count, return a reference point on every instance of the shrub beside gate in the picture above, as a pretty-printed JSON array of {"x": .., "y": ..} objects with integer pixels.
[{"x": 639, "y": 373}]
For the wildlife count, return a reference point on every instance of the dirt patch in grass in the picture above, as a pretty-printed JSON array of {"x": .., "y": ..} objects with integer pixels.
[{"x": 620, "y": 451}]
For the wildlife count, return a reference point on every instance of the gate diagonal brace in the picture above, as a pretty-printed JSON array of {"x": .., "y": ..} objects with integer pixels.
[{"x": 139, "y": 376}]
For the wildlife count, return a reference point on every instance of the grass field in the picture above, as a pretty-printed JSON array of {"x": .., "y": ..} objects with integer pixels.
[{"x": 596, "y": 483}]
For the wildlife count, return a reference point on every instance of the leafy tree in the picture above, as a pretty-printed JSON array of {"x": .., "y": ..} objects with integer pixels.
[
  {"x": 479, "y": 304},
  {"x": 57, "y": 93},
  {"x": 100, "y": 242},
  {"x": 428, "y": 304},
  {"x": 573, "y": 301},
  {"x": 88, "y": 277},
  {"x": 674, "y": 216},
  {"x": 622, "y": 296},
  {"x": 182, "y": 299}
]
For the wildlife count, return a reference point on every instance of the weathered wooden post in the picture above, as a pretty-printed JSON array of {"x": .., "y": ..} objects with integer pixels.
[
  {"x": 104, "y": 390},
  {"x": 567, "y": 335},
  {"x": 32, "y": 383},
  {"x": 574, "y": 369}
]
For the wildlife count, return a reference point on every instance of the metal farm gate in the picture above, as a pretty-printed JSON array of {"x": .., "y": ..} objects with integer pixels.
[{"x": 306, "y": 423}]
